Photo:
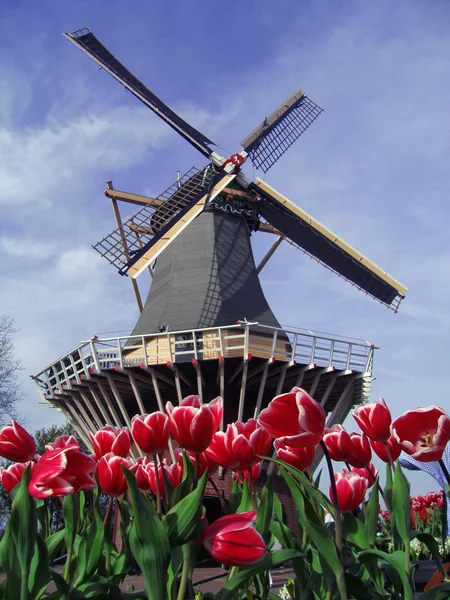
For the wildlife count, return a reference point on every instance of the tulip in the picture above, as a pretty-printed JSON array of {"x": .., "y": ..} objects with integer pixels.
[
  {"x": 374, "y": 420},
  {"x": 110, "y": 475},
  {"x": 193, "y": 424},
  {"x": 247, "y": 442},
  {"x": 369, "y": 472},
  {"x": 294, "y": 418},
  {"x": 351, "y": 489},
  {"x": 62, "y": 472},
  {"x": 250, "y": 475},
  {"x": 232, "y": 540},
  {"x": 12, "y": 475},
  {"x": 146, "y": 477},
  {"x": 16, "y": 443},
  {"x": 62, "y": 441},
  {"x": 300, "y": 458},
  {"x": 151, "y": 432},
  {"x": 389, "y": 454},
  {"x": 219, "y": 451},
  {"x": 111, "y": 439},
  {"x": 338, "y": 443},
  {"x": 361, "y": 453},
  {"x": 423, "y": 433}
]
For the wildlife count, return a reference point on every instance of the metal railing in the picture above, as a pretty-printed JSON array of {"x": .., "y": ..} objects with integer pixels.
[{"x": 242, "y": 339}]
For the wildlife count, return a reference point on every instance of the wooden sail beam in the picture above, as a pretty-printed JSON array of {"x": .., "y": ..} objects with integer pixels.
[{"x": 110, "y": 192}]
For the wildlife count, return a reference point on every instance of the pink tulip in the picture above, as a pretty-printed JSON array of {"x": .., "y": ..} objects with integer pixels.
[
  {"x": 382, "y": 452},
  {"x": 151, "y": 432},
  {"x": 232, "y": 540},
  {"x": 369, "y": 472},
  {"x": 351, "y": 489},
  {"x": 110, "y": 439},
  {"x": 110, "y": 475},
  {"x": 338, "y": 443},
  {"x": 16, "y": 443},
  {"x": 361, "y": 454},
  {"x": 146, "y": 476},
  {"x": 61, "y": 442},
  {"x": 62, "y": 472},
  {"x": 12, "y": 475},
  {"x": 423, "y": 433},
  {"x": 374, "y": 420},
  {"x": 294, "y": 418},
  {"x": 193, "y": 424},
  {"x": 300, "y": 458}
]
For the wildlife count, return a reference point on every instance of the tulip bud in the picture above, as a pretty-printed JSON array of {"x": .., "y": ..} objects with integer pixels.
[
  {"x": 16, "y": 443},
  {"x": 295, "y": 419},
  {"x": 351, "y": 489},
  {"x": 110, "y": 475},
  {"x": 12, "y": 475},
  {"x": 387, "y": 451},
  {"x": 193, "y": 424},
  {"x": 361, "y": 453},
  {"x": 232, "y": 540},
  {"x": 111, "y": 439},
  {"x": 375, "y": 420},
  {"x": 151, "y": 432},
  {"x": 338, "y": 443},
  {"x": 300, "y": 458}
]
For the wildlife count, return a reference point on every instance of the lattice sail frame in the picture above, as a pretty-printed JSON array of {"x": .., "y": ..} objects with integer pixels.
[
  {"x": 123, "y": 242},
  {"x": 270, "y": 140}
]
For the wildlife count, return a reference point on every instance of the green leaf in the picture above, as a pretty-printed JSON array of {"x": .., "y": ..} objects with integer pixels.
[
  {"x": 246, "y": 500},
  {"x": 91, "y": 547},
  {"x": 400, "y": 502},
  {"x": 54, "y": 543},
  {"x": 187, "y": 481},
  {"x": 149, "y": 542},
  {"x": 61, "y": 585},
  {"x": 23, "y": 524},
  {"x": 39, "y": 572},
  {"x": 183, "y": 522},
  {"x": 371, "y": 514},
  {"x": 70, "y": 514},
  {"x": 270, "y": 561},
  {"x": 397, "y": 561},
  {"x": 354, "y": 531},
  {"x": 317, "y": 530},
  {"x": 265, "y": 511},
  {"x": 12, "y": 584},
  {"x": 234, "y": 498}
]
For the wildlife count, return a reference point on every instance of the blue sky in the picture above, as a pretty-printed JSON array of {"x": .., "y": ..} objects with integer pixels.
[{"x": 374, "y": 167}]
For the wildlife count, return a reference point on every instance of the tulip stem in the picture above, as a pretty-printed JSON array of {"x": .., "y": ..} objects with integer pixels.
[
  {"x": 219, "y": 495},
  {"x": 197, "y": 469},
  {"x": 158, "y": 487},
  {"x": 167, "y": 483}
]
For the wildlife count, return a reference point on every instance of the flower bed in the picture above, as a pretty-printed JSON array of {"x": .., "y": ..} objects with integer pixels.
[{"x": 333, "y": 551}]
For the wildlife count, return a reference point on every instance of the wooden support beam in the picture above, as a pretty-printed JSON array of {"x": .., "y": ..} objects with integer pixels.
[
  {"x": 110, "y": 192},
  {"x": 269, "y": 254},
  {"x": 126, "y": 250}
]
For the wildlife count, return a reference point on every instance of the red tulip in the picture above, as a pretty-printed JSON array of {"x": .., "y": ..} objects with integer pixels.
[
  {"x": 423, "y": 433},
  {"x": 300, "y": 458},
  {"x": 361, "y": 454},
  {"x": 251, "y": 474},
  {"x": 380, "y": 449},
  {"x": 369, "y": 472},
  {"x": 232, "y": 540},
  {"x": 338, "y": 443},
  {"x": 248, "y": 442},
  {"x": 16, "y": 443},
  {"x": 110, "y": 475},
  {"x": 111, "y": 439},
  {"x": 220, "y": 452},
  {"x": 351, "y": 489},
  {"x": 61, "y": 472},
  {"x": 12, "y": 475},
  {"x": 61, "y": 442},
  {"x": 146, "y": 477},
  {"x": 294, "y": 418},
  {"x": 375, "y": 420},
  {"x": 193, "y": 424},
  {"x": 151, "y": 432}
]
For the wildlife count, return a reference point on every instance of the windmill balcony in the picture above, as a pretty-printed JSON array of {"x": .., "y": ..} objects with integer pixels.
[{"x": 108, "y": 380}]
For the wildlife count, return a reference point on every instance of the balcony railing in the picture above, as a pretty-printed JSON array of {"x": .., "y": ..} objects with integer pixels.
[{"x": 242, "y": 340}]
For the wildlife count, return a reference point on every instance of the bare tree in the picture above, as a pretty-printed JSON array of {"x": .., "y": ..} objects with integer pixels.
[{"x": 10, "y": 365}]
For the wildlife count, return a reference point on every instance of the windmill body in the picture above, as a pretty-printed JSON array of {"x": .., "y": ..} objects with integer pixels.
[{"x": 206, "y": 326}]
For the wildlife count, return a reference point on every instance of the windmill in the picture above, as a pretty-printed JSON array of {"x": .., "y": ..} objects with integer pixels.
[{"x": 206, "y": 326}]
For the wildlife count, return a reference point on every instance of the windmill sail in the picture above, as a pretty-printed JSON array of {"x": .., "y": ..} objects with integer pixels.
[
  {"x": 86, "y": 41},
  {"x": 276, "y": 134},
  {"x": 326, "y": 247}
]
